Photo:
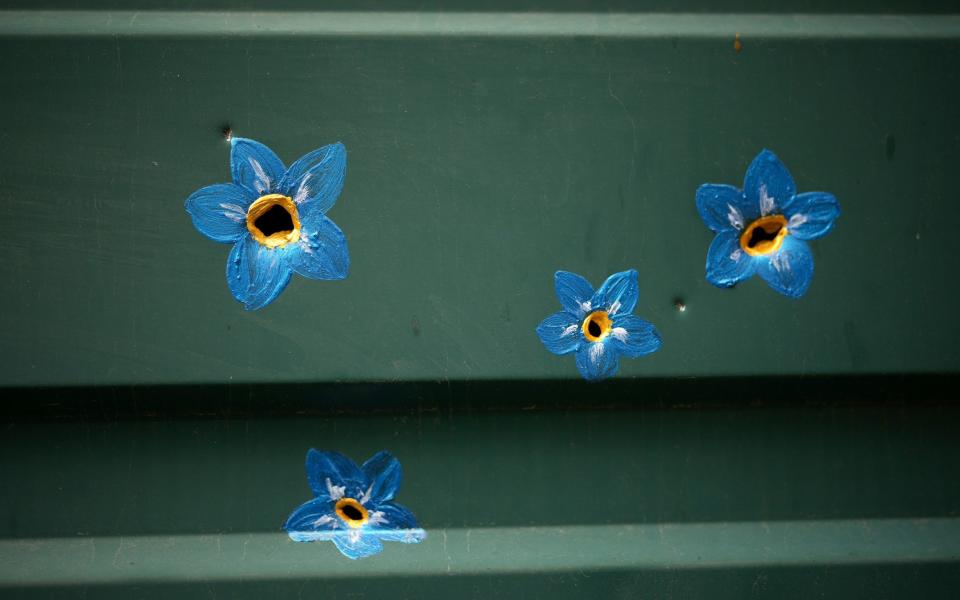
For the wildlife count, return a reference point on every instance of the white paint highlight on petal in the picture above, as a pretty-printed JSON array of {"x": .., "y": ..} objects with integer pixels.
[
  {"x": 615, "y": 307},
  {"x": 569, "y": 330},
  {"x": 365, "y": 497},
  {"x": 376, "y": 518},
  {"x": 620, "y": 333},
  {"x": 336, "y": 491},
  {"x": 796, "y": 221},
  {"x": 324, "y": 520},
  {"x": 767, "y": 204},
  {"x": 305, "y": 244},
  {"x": 304, "y": 190},
  {"x": 736, "y": 254},
  {"x": 734, "y": 216},
  {"x": 234, "y": 212},
  {"x": 596, "y": 351},
  {"x": 585, "y": 306},
  {"x": 263, "y": 181},
  {"x": 780, "y": 262}
]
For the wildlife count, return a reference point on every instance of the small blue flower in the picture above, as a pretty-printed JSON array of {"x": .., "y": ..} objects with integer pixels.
[
  {"x": 763, "y": 227},
  {"x": 598, "y": 325},
  {"x": 275, "y": 218},
  {"x": 353, "y": 505}
]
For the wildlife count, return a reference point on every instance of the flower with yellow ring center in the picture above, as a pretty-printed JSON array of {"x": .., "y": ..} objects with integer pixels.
[
  {"x": 764, "y": 236},
  {"x": 352, "y": 512},
  {"x": 273, "y": 221},
  {"x": 596, "y": 326}
]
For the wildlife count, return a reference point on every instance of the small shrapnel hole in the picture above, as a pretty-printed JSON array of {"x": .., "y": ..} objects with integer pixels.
[
  {"x": 352, "y": 512},
  {"x": 594, "y": 328},
  {"x": 275, "y": 220},
  {"x": 764, "y": 233}
]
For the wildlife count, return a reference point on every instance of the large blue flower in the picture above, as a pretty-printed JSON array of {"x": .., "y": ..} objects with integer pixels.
[
  {"x": 353, "y": 505},
  {"x": 598, "y": 325},
  {"x": 764, "y": 227},
  {"x": 275, "y": 218}
]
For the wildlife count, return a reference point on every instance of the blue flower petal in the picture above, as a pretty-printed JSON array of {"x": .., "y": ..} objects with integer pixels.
[
  {"x": 597, "y": 360},
  {"x": 321, "y": 252},
  {"x": 256, "y": 274},
  {"x": 254, "y": 166},
  {"x": 397, "y": 524},
  {"x": 768, "y": 184},
  {"x": 633, "y": 337},
  {"x": 790, "y": 270},
  {"x": 573, "y": 291},
  {"x": 560, "y": 333},
  {"x": 811, "y": 214},
  {"x": 727, "y": 263},
  {"x": 357, "y": 543},
  {"x": 315, "y": 180},
  {"x": 618, "y": 294},
  {"x": 384, "y": 473},
  {"x": 724, "y": 207},
  {"x": 313, "y": 521},
  {"x": 220, "y": 211},
  {"x": 326, "y": 470}
]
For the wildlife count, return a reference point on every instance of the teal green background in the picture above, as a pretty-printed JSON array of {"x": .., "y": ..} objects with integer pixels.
[
  {"x": 152, "y": 433},
  {"x": 477, "y": 167}
]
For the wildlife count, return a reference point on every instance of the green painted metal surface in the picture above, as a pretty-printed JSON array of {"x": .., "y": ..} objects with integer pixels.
[
  {"x": 841, "y": 498},
  {"x": 153, "y": 432},
  {"x": 480, "y": 162}
]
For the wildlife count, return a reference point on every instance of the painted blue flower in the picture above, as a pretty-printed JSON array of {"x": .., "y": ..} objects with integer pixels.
[
  {"x": 598, "y": 326},
  {"x": 353, "y": 505},
  {"x": 275, "y": 218},
  {"x": 764, "y": 227}
]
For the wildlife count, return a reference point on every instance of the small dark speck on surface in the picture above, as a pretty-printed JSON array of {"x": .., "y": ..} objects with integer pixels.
[
  {"x": 415, "y": 326},
  {"x": 737, "y": 44},
  {"x": 891, "y": 146},
  {"x": 679, "y": 305},
  {"x": 226, "y": 131}
]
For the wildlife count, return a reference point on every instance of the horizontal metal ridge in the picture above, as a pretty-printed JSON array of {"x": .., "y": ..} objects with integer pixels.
[
  {"x": 259, "y": 556},
  {"x": 503, "y": 24}
]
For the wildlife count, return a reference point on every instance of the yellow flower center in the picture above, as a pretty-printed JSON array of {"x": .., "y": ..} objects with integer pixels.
[
  {"x": 273, "y": 220},
  {"x": 596, "y": 326},
  {"x": 764, "y": 236},
  {"x": 352, "y": 512}
]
